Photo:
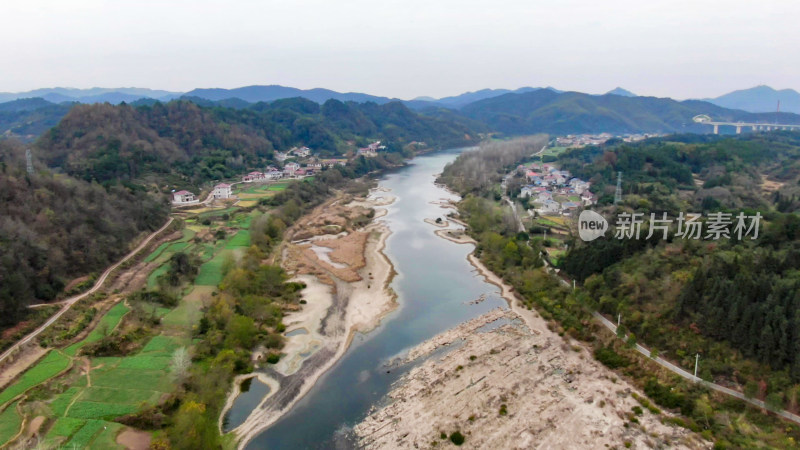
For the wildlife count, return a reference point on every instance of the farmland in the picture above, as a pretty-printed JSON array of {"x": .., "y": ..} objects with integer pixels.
[{"x": 80, "y": 394}]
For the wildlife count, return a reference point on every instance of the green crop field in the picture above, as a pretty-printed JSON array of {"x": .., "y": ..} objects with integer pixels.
[
  {"x": 152, "y": 256},
  {"x": 51, "y": 365},
  {"x": 107, "y": 324},
  {"x": 97, "y": 410},
  {"x": 162, "y": 343},
  {"x": 152, "y": 279},
  {"x": 107, "y": 438},
  {"x": 83, "y": 437},
  {"x": 240, "y": 239},
  {"x": 10, "y": 423},
  {"x": 211, "y": 272},
  {"x": 118, "y": 395},
  {"x": 64, "y": 427}
]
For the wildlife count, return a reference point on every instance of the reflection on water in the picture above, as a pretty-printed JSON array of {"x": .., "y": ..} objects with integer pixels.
[
  {"x": 253, "y": 390},
  {"x": 436, "y": 287}
]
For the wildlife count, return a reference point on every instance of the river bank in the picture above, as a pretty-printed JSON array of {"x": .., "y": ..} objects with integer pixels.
[
  {"x": 347, "y": 291},
  {"x": 514, "y": 384}
]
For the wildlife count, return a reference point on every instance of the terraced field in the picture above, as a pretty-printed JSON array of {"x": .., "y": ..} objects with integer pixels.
[
  {"x": 81, "y": 404},
  {"x": 114, "y": 386}
]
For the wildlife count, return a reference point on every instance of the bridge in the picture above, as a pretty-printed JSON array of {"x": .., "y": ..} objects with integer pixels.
[{"x": 704, "y": 119}]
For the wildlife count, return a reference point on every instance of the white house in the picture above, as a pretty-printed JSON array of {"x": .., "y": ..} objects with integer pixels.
[
  {"x": 290, "y": 169},
  {"x": 526, "y": 191},
  {"x": 301, "y": 152},
  {"x": 183, "y": 198},
  {"x": 550, "y": 207},
  {"x": 274, "y": 174},
  {"x": 253, "y": 177},
  {"x": 222, "y": 190}
]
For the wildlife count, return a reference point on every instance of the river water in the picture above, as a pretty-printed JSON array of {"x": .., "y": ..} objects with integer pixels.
[{"x": 436, "y": 289}]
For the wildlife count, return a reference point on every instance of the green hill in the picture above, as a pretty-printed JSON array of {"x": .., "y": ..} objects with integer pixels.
[{"x": 575, "y": 112}]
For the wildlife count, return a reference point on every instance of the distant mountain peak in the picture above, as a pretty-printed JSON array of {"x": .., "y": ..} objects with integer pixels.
[
  {"x": 761, "y": 98},
  {"x": 620, "y": 91}
]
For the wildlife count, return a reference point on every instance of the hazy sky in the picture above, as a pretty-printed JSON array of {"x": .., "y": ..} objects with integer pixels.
[{"x": 405, "y": 48}]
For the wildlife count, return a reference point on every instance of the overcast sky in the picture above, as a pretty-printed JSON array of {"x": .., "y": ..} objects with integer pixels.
[{"x": 405, "y": 48}]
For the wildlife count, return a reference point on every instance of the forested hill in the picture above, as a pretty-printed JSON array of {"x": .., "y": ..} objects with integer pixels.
[
  {"x": 185, "y": 141},
  {"x": 546, "y": 111},
  {"x": 54, "y": 228},
  {"x": 735, "y": 302}
]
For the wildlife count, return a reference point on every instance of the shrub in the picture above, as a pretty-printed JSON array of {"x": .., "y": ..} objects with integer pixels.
[{"x": 457, "y": 438}]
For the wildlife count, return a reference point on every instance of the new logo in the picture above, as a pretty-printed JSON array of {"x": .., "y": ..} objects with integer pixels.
[{"x": 591, "y": 225}]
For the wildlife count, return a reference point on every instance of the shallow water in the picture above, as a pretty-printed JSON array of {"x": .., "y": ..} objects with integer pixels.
[
  {"x": 253, "y": 390},
  {"x": 437, "y": 289}
]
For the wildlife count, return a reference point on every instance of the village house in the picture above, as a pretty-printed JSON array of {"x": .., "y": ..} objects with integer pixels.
[
  {"x": 183, "y": 198},
  {"x": 301, "y": 152},
  {"x": 222, "y": 190},
  {"x": 253, "y": 177},
  {"x": 281, "y": 157},
  {"x": 290, "y": 169},
  {"x": 333, "y": 162},
  {"x": 588, "y": 198},
  {"x": 526, "y": 192},
  {"x": 273, "y": 174},
  {"x": 549, "y": 207}
]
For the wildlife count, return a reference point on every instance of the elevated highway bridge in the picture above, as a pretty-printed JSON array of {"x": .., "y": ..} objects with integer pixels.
[{"x": 706, "y": 120}]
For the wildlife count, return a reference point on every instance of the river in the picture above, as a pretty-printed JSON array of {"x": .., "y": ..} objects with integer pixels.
[{"x": 436, "y": 289}]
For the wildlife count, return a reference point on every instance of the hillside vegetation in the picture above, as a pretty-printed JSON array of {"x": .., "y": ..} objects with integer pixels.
[
  {"x": 184, "y": 143},
  {"x": 733, "y": 301},
  {"x": 54, "y": 228},
  {"x": 546, "y": 111}
]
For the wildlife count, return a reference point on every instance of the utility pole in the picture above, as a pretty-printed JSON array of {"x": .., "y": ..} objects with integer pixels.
[
  {"x": 619, "y": 318},
  {"x": 618, "y": 192},
  {"x": 696, "y": 359}
]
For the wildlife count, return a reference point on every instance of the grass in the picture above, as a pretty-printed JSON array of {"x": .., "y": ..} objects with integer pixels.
[
  {"x": 51, "y": 365},
  {"x": 118, "y": 395},
  {"x": 98, "y": 410},
  {"x": 64, "y": 427},
  {"x": 107, "y": 438},
  {"x": 152, "y": 279},
  {"x": 148, "y": 380},
  {"x": 217, "y": 212},
  {"x": 10, "y": 423},
  {"x": 109, "y": 321},
  {"x": 83, "y": 437},
  {"x": 240, "y": 239},
  {"x": 162, "y": 343},
  {"x": 152, "y": 256},
  {"x": 149, "y": 362},
  {"x": 211, "y": 272}
]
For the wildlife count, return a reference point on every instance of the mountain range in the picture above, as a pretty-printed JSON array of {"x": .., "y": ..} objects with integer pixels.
[
  {"x": 519, "y": 111},
  {"x": 760, "y": 99}
]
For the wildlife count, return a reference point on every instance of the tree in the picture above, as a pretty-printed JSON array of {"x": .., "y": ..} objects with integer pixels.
[{"x": 180, "y": 363}]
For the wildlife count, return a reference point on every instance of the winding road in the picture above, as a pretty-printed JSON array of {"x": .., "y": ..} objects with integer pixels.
[
  {"x": 683, "y": 373},
  {"x": 71, "y": 301}
]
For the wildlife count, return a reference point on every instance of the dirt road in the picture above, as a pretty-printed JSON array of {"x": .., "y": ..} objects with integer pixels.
[{"x": 67, "y": 304}]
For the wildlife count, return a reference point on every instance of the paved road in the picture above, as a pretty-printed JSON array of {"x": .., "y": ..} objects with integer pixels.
[
  {"x": 67, "y": 304},
  {"x": 675, "y": 369}
]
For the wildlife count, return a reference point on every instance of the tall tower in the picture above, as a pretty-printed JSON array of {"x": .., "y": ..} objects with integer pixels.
[
  {"x": 618, "y": 192},
  {"x": 29, "y": 160}
]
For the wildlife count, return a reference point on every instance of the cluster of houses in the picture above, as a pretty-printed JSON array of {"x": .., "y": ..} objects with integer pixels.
[
  {"x": 581, "y": 140},
  {"x": 307, "y": 166},
  {"x": 547, "y": 185},
  {"x": 371, "y": 150}
]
